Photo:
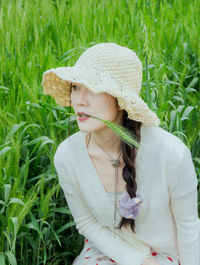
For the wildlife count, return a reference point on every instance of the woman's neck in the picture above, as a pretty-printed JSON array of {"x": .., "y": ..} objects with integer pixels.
[{"x": 104, "y": 142}]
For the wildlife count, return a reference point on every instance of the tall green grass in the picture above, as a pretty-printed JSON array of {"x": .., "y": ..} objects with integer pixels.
[{"x": 36, "y": 225}]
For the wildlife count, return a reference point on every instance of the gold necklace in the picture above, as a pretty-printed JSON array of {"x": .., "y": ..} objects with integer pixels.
[{"x": 115, "y": 163}]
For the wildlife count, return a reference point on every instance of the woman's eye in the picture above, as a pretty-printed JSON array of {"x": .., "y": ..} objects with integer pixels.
[{"x": 74, "y": 87}]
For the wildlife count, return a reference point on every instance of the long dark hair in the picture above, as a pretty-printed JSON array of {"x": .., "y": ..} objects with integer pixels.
[
  {"x": 129, "y": 157},
  {"x": 129, "y": 170}
]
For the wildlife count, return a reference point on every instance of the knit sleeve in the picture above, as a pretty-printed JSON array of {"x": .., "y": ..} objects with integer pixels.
[
  {"x": 88, "y": 226},
  {"x": 183, "y": 197}
]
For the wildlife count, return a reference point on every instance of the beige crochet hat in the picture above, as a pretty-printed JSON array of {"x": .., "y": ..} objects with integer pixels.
[{"x": 104, "y": 68}]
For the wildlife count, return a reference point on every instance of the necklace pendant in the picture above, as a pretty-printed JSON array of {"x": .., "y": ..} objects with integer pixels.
[{"x": 115, "y": 163}]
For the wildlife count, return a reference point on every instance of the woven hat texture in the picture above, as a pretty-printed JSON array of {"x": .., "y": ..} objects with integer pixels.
[{"x": 104, "y": 68}]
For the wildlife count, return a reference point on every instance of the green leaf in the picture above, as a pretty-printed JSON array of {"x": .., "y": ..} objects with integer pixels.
[
  {"x": 193, "y": 82},
  {"x": 56, "y": 236},
  {"x": 63, "y": 210},
  {"x": 2, "y": 202},
  {"x": 34, "y": 226},
  {"x": 2, "y": 220},
  {"x": 64, "y": 227},
  {"x": 172, "y": 119},
  {"x": 38, "y": 140},
  {"x": 16, "y": 200},
  {"x": 178, "y": 99},
  {"x": 5, "y": 150},
  {"x": 2, "y": 259},
  {"x": 172, "y": 82},
  {"x": 7, "y": 188},
  {"x": 187, "y": 112},
  {"x": 11, "y": 257},
  {"x": 15, "y": 128},
  {"x": 15, "y": 223},
  {"x": 4, "y": 88},
  {"x": 197, "y": 160}
]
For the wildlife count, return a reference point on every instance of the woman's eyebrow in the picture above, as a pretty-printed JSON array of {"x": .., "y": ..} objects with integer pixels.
[
  {"x": 76, "y": 84},
  {"x": 80, "y": 86}
]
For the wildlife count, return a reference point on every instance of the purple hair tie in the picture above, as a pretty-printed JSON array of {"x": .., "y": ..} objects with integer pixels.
[{"x": 128, "y": 207}]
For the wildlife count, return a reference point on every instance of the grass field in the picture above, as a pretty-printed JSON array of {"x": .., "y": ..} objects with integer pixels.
[{"x": 35, "y": 35}]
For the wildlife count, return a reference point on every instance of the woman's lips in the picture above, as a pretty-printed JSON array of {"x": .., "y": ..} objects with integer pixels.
[{"x": 82, "y": 118}]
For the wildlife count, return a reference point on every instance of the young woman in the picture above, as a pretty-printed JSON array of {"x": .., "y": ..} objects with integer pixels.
[{"x": 133, "y": 205}]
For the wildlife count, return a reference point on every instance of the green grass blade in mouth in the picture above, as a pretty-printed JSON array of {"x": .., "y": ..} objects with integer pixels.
[{"x": 123, "y": 133}]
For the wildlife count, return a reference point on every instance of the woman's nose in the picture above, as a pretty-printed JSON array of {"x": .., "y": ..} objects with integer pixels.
[{"x": 82, "y": 96}]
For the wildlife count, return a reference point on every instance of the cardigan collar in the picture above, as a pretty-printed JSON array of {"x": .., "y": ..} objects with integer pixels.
[{"x": 90, "y": 184}]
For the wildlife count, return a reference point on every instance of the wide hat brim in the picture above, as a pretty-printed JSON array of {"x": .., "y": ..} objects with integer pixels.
[{"x": 57, "y": 83}]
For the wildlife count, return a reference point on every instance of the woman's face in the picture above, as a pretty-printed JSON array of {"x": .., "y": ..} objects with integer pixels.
[{"x": 102, "y": 105}]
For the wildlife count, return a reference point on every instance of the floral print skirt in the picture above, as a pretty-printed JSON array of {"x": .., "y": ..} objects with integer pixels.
[{"x": 92, "y": 256}]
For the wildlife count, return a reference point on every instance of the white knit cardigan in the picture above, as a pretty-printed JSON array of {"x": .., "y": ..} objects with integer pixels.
[{"x": 168, "y": 219}]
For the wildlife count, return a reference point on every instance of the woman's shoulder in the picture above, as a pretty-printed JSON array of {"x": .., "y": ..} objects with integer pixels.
[
  {"x": 164, "y": 141},
  {"x": 165, "y": 148}
]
